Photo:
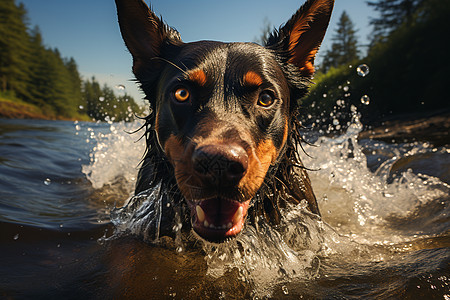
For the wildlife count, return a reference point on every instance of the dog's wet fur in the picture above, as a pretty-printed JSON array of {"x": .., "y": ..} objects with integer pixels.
[{"x": 223, "y": 135}]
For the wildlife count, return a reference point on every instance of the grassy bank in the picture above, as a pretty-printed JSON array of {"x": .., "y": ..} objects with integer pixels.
[{"x": 14, "y": 108}]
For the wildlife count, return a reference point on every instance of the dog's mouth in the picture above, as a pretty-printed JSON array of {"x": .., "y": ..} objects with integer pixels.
[{"x": 217, "y": 219}]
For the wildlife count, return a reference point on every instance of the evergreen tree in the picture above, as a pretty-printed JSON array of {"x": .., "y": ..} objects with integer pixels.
[
  {"x": 266, "y": 30},
  {"x": 37, "y": 81},
  {"x": 41, "y": 76},
  {"x": 14, "y": 48},
  {"x": 392, "y": 13},
  {"x": 75, "y": 82},
  {"x": 92, "y": 96},
  {"x": 344, "y": 48},
  {"x": 104, "y": 105}
]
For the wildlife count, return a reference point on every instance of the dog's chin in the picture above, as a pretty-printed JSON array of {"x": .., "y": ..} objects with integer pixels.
[{"x": 218, "y": 219}]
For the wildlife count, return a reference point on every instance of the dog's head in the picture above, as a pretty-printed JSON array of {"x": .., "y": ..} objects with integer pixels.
[{"x": 222, "y": 110}]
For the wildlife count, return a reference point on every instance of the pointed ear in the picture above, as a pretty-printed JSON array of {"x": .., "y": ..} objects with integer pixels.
[
  {"x": 145, "y": 34},
  {"x": 298, "y": 41}
]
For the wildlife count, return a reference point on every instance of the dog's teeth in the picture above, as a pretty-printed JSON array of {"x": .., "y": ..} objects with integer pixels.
[
  {"x": 238, "y": 215},
  {"x": 206, "y": 224},
  {"x": 200, "y": 214},
  {"x": 229, "y": 225}
]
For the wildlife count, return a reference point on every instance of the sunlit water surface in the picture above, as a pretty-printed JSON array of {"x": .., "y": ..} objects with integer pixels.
[{"x": 71, "y": 228}]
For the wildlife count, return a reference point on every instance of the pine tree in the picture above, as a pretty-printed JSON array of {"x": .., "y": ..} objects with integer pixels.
[
  {"x": 93, "y": 97},
  {"x": 392, "y": 13},
  {"x": 75, "y": 82},
  {"x": 104, "y": 105},
  {"x": 14, "y": 48},
  {"x": 344, "y": 48},
  {"x": 266, "y": 30},
  {"x": 41, "y": 76},
  {"x": 37, "y": 83}
]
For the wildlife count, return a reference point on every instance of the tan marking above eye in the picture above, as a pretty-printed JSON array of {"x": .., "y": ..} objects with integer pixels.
[
  {"x": 252, "y": 79},
  {"x": 182, "y": 94},
  {"x": 198, "y": 76}
]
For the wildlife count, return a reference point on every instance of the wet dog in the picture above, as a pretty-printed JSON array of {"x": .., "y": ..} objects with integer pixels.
[{"x": 223, "y": 135}]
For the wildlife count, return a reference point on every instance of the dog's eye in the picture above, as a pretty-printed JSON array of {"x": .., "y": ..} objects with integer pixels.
[
  {"x": 182, "y": 94},
  {"x": 265, "y": 99}
]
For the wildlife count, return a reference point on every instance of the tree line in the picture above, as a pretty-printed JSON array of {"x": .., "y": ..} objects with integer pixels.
[
  {"x": 407, "y": 58},
  {"x": 39, "y": 75}
]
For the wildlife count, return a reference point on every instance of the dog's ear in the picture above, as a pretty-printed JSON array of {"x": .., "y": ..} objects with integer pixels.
[
  {"x": 299, "y": 39},
  {"x": 145, "y": 35}
]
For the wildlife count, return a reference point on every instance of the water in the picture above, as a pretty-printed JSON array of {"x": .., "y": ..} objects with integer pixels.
[
  {"x": 362, "y": 70},
  {"x": 365, "y": 100},
  {"x": 384, "y": 231}
]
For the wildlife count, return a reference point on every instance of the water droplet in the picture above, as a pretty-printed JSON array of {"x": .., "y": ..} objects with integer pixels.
[
  {"x": 81, "y": 107},
  {"x": 47, "y": 181},
  {"x": 365, "y": 100},
  {"x": 362, "y": 70},
  {"x": 324, "y": 95},
  {"x": 335, "y": 122},
  {"x": 16, "y": 237},
  {"x": 120, "y": 87},
  {"x": 101, "y": 99},
  {"x": 285, "y": 290},
  {"x": 346, "y": 88}
]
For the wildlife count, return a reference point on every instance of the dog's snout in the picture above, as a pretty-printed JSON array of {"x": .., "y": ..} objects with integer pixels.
[{"x": 220, "y": 165}]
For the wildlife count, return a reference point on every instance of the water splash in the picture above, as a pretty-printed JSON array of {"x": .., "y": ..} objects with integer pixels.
[
  {"x": 362, "y": 201},
  {"x": 359, "y": 189},
  {"x": 115, "y": 155},
  {"x": 265, "y": 257},
  {"x": 365, "y": 100},
  {"x": 362, "y": 70},
  {"x": 120, "y": 87},
  {"x": 141, "y": 215}
]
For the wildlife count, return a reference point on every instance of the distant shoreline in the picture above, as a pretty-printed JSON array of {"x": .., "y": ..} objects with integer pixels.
[
  {"x": 10, "y": 109},
  {"x": 420, "y": 127},
  {"x": 433, "y": 127}
]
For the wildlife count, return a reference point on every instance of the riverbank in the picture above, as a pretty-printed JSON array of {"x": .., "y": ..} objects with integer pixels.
[
  {"x": 16, "y": 109},
  {"x": 433, "y": 127}
]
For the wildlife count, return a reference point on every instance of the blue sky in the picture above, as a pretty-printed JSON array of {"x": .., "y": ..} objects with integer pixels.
[{"x": 87, "y": 30}]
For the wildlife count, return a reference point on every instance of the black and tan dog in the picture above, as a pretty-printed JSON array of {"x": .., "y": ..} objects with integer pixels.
[{"x": 223, "y": 133}]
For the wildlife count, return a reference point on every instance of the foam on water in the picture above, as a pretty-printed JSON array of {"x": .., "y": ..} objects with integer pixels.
[{"x": 361, "y": 201}]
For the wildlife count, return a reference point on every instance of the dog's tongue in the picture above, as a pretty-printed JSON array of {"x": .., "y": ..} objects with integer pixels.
[{"x": 217, "y": 219}]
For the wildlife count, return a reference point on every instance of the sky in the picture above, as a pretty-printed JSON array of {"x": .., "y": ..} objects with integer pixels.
[{"x": 87, "y": 30}]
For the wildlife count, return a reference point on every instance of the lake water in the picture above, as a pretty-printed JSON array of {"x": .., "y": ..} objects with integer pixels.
[{"x": 385, "y": 231}]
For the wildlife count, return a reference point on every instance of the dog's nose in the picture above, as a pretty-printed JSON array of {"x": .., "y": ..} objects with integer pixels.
[{"x": 220, "y": 165}]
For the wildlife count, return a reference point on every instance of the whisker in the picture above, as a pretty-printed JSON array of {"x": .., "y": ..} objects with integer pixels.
[{"x": 171, "y": 63}]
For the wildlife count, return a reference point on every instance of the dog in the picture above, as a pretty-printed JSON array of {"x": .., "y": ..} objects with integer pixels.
[{"x": 223, "y": 134}]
